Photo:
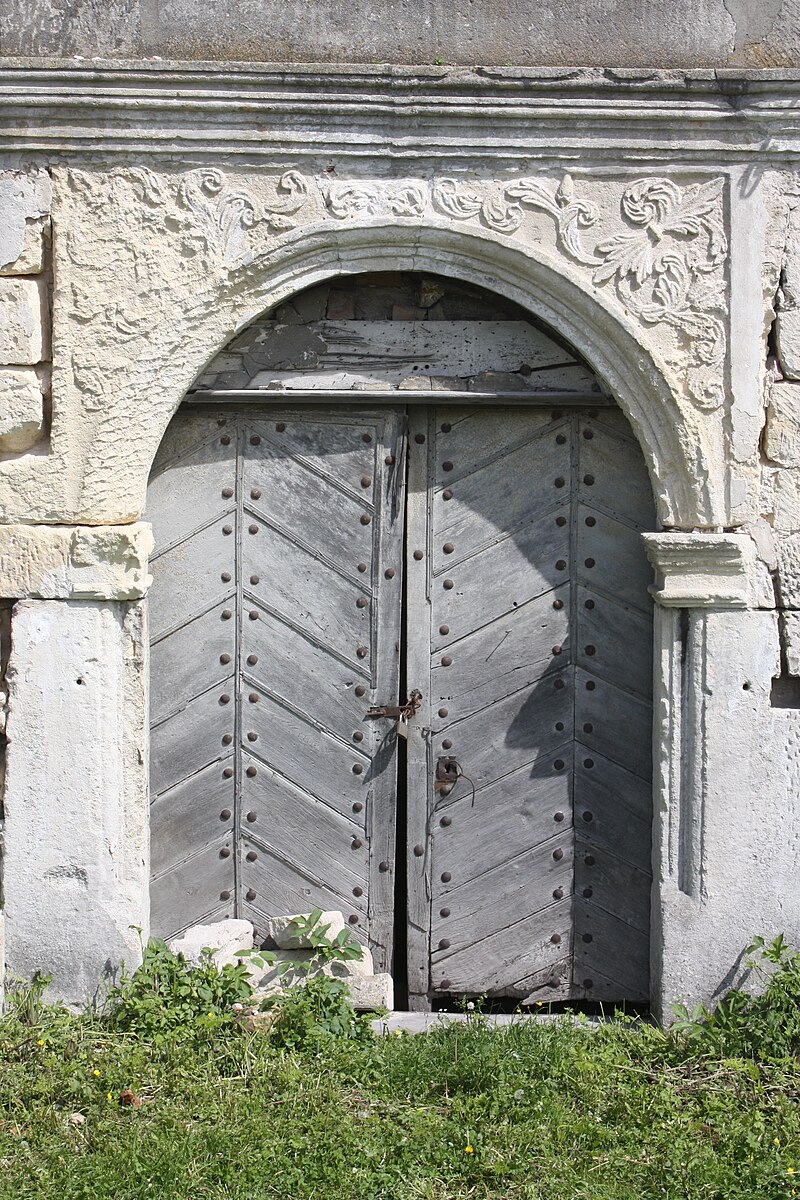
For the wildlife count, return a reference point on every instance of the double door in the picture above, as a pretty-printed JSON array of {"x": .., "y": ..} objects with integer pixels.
[{"x": 315, "y": 565}]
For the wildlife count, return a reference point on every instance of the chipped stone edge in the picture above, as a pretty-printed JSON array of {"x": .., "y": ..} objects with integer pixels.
[
  {"x": 702, "y": 570},
  {"x": 68, "y": 562}
]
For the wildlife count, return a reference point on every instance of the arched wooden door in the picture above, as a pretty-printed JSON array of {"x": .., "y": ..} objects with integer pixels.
[{"x": 308, "y": 561}]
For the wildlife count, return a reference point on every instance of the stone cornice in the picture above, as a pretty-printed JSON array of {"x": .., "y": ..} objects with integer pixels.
[{"x": 452, "y": 114}]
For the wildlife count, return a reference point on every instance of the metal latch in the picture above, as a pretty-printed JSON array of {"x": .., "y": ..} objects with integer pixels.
[{"x": 396, "y": 712}]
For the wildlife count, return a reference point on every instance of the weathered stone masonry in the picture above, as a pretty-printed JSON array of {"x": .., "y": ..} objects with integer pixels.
[{"x": 176, "y": 222}]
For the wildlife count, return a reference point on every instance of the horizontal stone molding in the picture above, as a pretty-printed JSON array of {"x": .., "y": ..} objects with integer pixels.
[
  {"x": 702, "y": 570},
  {"x": 267, "y": 110},
  {"x": 63, "y": 562}
]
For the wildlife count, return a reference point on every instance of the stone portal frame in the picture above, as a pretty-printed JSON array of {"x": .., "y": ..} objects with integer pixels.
[{"x": 150, "y": 282}]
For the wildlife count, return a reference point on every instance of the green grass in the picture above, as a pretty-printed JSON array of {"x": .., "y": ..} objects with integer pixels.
[{"x": 533, "y": 1112}]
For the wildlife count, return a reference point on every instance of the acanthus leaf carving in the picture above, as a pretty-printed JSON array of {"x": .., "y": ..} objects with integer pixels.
[{"x": 376, "y": 199}]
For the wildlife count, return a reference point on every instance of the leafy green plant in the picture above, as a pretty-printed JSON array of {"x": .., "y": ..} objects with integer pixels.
[
  {"x": 318, "y": 1007},
  {"x": 743, "y": 1025},
  {"x": 26, "y": 998},
  {"x": 166, "y": 993}
]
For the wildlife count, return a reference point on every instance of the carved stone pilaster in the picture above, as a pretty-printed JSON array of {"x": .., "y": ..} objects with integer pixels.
[{"x": 702, "y": 570}]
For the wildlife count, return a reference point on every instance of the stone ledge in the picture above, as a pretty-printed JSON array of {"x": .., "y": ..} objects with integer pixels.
[
  {"x": 702, "y": 570},
  {"x": 67, "y": 562}
]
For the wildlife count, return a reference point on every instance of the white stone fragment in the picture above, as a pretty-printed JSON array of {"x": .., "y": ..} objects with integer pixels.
[
  {"x": 790, "y": 622},
  {"x": 374, "y": 991},
  {"x": 25, "y": 205},
  {"x": 225, "y": 938},
  {"x": 23, "y": 337},
  {"x": 274, "y": 978},
  {"x": 21, "y": 409},
  {"x": 281, "y": 930},
  {"x": 85, "y": 562}
]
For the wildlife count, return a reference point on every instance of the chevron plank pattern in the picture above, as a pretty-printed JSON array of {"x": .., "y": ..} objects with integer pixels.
[
  {"x": 281, "y": 796},
  {"x": 540, "y": 652}
]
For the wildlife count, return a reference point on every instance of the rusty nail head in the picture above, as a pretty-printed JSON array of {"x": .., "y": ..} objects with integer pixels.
[
  {"x": 588, "y": 727},
  {"x": 446, "y": 427},
  {"x": 448, "y": 547},
  {"x": 555, "y": 938},
  {"x": 225, "y": 895},
  {"x": 255, "y": 493},
  {"x": 251, "y": 856},
  {"x": 226, "y": 614},
  {"x": 587, "y": 937},
  {"x": 444, "y": 912},
  {"x": 445, "y": 985},
  {"x": 225, "y": 815},
  {"x": 559, "y": 482},
  {"x": 358, "y": 891},
  {"x": 361, "y": 602},
  {"x": 443, "y": 712},
  {"x": 362, "y": 651},
  {"x": 252, "y": 529},
  {"x": 559, "y": 684},
  {"x": 447, "y": 466},
  {"x": 227, "y": 773},
  {"x": 558, "y": 854},
  {"x": 561, "y": 522},
  {"x": 591, "y": 650},
  {"x": 591, "y": 685},
  {"x": 591, "y": 522},
  {"x": 226, "y": 529},
  {"x": 366, "y": 437},
  {"x": 383, "y": 867},
  {"x": 589, "y": 860},
  {"x": 446, "y": 821},
  {"x": 353, "y": 919},
  {"x": 358, "y": 807},
  {"x": 556, "y": 649},
  {"x": 419, "y": 850},
  {"x": 447, "y": 660},
  {"x": 389, "y": 573},
  {"x": 224, "y": 698},
  {"x": 255, "y": 579},
  {"x": 356, "y": 843},
  {"x": 561, "y": 565},
  {"x": 255, "y": 440},
  {"x": 444, "y": 630},
  {"x": 252, "y": 737},
  {"x": 358, "y": 736},
  {"x": 558, "y": 765},
  {"x": 447, "y": 494},
  {"x": 444, "y": 944},
  {"x": 227, "y": 492},
  {"x": 558, "y": 604},
  {"x": 224, "y": 659},
  {"x": 225, "y": 852},
  {"x": 226, "y": 441},
  {"x": 252, "y": 659},
  {"x": 588, "y": 562},
  {"x": 588, "y": 604},
  {"x": 559, "y": 725},
  {"x": 587, "y": 892},
  {"x": 254, "y": 697},
  {"x": 419, "y": 438},
  {"x": 226, "y": 576},
  {"x": 559, "y": 816},
  {"x": 558, "y": 894},
  {"x": 446, "y": 876},
  {"x": 448, "y": 585},
  {"x": 253, "y": 614},
  {"x": 447, "y": 744},
  {"x": 280, "y": 427},
  {"x": 389, "y": 460},
  {"x": 227, "y": 738},
  {"x": 360, "y": 689},
  {"x": 588, "y": 480},
  {"x": 365, "y": 519},
  {"x": 250, "y": 894},
  {"x": 358, "y": 769},
  {"x": 362, "y": 568},
  {"x": 418, "y": 556},
  {"x": 252, "y": 817},
  {"x": 251, "y": 772},
  {"x": 365, "y": 481}
]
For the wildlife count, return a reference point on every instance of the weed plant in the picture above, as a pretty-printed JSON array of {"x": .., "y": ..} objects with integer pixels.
[{"x": 92, "y": 1107}]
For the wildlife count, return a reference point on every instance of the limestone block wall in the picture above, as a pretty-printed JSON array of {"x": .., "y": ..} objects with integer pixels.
[{"x": 25, "y": 288}]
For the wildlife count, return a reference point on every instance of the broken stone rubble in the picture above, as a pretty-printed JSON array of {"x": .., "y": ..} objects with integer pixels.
[{"x": 229, "y": 938}]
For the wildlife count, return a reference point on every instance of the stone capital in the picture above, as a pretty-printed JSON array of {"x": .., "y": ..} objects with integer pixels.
[
  {"x": 702, "y": 570},
  {"x": 74, "y": 562}
]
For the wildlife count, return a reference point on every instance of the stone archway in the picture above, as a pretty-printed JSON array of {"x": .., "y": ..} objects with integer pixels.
[{"x": 284, "y": 605}]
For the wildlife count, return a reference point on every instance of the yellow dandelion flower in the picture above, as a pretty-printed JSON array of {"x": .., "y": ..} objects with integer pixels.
[
  {"x": 108, "y": 1094},
  {"x": 469, "y": 1150},
  {"x": 539, "y": 1003},
  {"x": 211, "y": 1014},
  {"x": 790, "y": 1170},
  {"x": 95, "y": 1071},
  {"x": 41, "y": 1041},
  {"x": 776, "y": 1141}
]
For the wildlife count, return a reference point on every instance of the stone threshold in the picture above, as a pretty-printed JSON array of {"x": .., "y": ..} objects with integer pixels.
[{"x": 424, "y": 1022}]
